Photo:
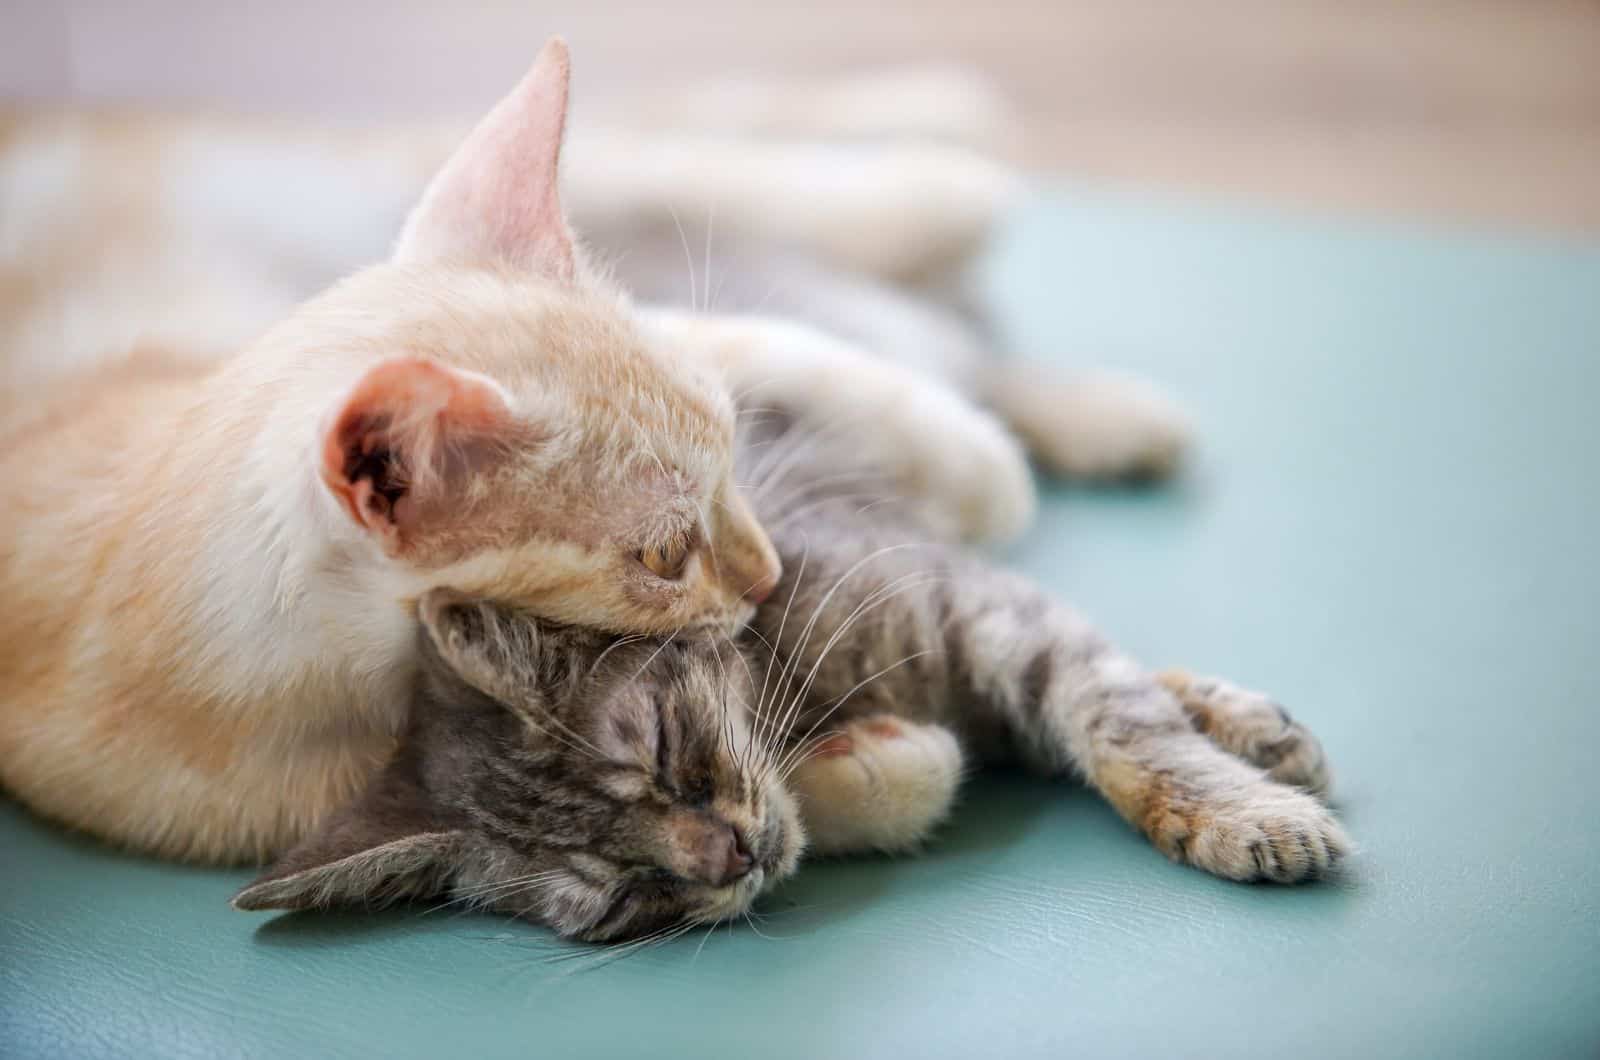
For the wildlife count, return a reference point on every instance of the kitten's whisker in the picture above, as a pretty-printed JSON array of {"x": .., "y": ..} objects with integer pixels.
[
  {"x": 710, "y": 929},
  {"x": 879, "y": 597},
  {"x": 594, "y": 958},
  {"x": 495, "y": 885},
  {"x": 876, "y": 599},
  {"x": 632, "y": 638},
  {"x": 493, "y": 892},
  {"x": 800, "y": 752},
  {"x": 750, "y": 681},
  {"x": 783, "y": 622},
  {"x": 750, "y": 919},
  {"x": 659, "y": 649},
  {"x": 726, "y": 731},
  {"x": 562, "y": 732},
  {"x": 688, "y": 258},
  {"x": 872, "y": 600},
  {"x": 858, "y": 687},
  {"x": 816, "y": 612},
  {"x": 711, "y": 220},
  {"x": 585, "y": 748}
]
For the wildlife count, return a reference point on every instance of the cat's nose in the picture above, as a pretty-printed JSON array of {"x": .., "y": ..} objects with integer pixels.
[
  {"x": 762, "y": 588},
  {"x": 735, "y": 856}
]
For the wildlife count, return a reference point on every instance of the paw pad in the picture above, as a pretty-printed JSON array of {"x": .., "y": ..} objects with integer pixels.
[
  {"x": 888, "y": 728},
  {"x": 834, "y": 746}
]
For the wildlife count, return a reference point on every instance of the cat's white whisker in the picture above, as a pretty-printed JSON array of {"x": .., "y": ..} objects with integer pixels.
[
  {"x": 875, "y": 599},
  {"x": 688, "y": 258},
  {"x": 783, "y": 622},
  {"x": 496, "y": 892},
  {"x": 613, "y": 646},
  {"x": 817, "y": 610},
  {"x": 833, "y": 707}
]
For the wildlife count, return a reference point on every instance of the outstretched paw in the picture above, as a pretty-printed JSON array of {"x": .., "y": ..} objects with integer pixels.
[
  {"x": 1252, "y": 726},
  {"x": 1251, "y": 831},
  {"x": 879, "y": 783}
]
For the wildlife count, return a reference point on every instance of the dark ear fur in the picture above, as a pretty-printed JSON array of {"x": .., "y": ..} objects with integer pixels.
[
  {"x": 507, "y": 655},
  {"x": 387, "y": 845},
  {"x": 494, "y": 650}
]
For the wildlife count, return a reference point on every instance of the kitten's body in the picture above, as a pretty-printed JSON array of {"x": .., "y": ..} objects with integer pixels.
[{"x": 636, "y": 787}]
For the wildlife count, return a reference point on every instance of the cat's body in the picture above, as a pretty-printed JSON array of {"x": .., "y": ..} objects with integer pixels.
[{"x": 615, "y": 788}]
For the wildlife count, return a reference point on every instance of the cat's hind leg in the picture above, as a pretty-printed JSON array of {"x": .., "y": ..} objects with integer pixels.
[
  {"x": 878, "y": 783},
  {"x": 1252, "y": 726}
]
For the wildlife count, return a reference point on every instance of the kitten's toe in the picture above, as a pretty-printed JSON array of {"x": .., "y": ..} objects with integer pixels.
[
  {"x": 1254, "y": 727},
  {"x": 1264, "y": 832}
]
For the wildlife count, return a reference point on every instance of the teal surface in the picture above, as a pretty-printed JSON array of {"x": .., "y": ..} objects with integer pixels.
[{"x": 1391, "y": 525}]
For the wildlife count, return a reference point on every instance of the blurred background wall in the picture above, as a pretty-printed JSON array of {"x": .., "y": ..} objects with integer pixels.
[{"x": 1483, "y": 111}]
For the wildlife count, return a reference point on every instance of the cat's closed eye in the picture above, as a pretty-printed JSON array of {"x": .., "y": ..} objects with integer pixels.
[
  {"x": 669, "y": 560},
  {"x": 698, "y": 788}
]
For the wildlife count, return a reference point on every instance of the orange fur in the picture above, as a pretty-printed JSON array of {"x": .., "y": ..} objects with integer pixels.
[{"x": 206, "y": 645}]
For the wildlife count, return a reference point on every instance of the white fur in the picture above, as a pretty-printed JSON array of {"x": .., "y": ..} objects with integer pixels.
[
  {"x": 899, "y": 211},
  {"x": 950, "y": 104},
  {"x": 888, "y": 792},
  {"x": 1095, "y": 426},
  {"x": 945, "y": 451}
]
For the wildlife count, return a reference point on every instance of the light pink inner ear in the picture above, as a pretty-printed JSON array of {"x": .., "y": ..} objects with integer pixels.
[
  {"x": 390, "y": 439},
  {"x": 495, "y": 201}
]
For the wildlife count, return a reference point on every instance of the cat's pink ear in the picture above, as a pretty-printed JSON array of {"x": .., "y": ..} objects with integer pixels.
[
  {"x": 397, "y": 447},
  {"x": 495, "y": 201}
]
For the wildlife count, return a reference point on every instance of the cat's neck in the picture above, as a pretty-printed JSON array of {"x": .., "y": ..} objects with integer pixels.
[{"x": 290, "y": 601}]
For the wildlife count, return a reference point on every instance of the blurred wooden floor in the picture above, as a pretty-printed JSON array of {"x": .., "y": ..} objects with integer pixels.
[{"x": 1484, "y": 111}]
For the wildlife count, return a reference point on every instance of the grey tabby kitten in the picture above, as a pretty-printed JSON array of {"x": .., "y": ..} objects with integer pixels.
[{"x": 611, "y": 788}]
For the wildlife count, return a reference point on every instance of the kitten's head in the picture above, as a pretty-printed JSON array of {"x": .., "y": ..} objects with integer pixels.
[
  {"x": 606, "y": 788},
  {"x": 517, "y": 435}
]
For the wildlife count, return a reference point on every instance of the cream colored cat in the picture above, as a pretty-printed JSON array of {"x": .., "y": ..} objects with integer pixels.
[{"x": 211, "y": 568}]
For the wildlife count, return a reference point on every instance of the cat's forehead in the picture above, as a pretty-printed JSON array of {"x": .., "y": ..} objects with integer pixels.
[{"x": 574, "y": 360}]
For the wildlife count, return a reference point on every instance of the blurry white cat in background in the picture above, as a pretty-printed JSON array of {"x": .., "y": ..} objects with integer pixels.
[{"x": 855, "y": 205}]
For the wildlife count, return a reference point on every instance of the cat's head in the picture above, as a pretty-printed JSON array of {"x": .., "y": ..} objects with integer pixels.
[
  {"x": 606, "y": 788},
  {"x": 510, "y": 431}
]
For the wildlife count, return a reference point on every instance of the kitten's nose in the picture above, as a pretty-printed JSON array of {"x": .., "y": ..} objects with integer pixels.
[{"x": 736, "y": 859}]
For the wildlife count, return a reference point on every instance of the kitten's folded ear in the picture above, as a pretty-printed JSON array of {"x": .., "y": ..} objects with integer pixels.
[
  {"x": 494, "y": 650},
  {"x": 495, "y": 201},
  {"x": 508, "y": 655},
  {"x": 386, "y": 846},
  {"x": 408, "y": 432}
]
